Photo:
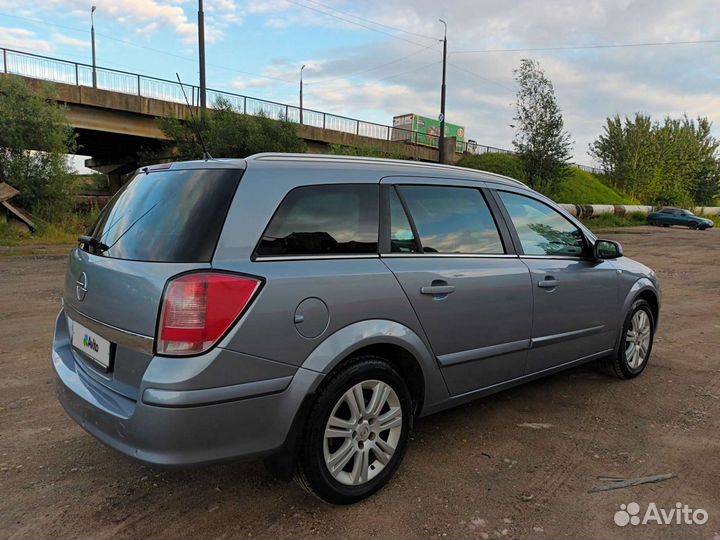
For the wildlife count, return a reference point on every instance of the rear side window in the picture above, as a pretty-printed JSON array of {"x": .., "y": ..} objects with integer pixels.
[
  {"x": 452, "y": 220},
  {"x": 167, "y": 216},
  {"x": 324, "y": 220},
  {"x": 402, "y": 239},
  {"x": 542, "y": 230}
]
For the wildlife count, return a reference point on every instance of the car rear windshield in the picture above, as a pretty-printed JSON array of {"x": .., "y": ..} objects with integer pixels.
[{"x": 166, "y": 216}]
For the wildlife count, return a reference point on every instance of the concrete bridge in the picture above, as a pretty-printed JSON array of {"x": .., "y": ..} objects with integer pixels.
[{"x": 118, "y": 117}]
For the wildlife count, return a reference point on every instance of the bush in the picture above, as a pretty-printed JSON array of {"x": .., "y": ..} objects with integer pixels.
[
  {"x": 34, "y": 141},
  {"x": 228, "y": 134},
  {"x": 363, "y": 151},
  {"x": 633, "y": 219}
]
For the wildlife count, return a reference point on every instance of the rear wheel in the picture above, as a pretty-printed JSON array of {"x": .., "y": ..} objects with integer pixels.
[
  {"x": 357, "y": 432},
  {"x": 633, "y": 352}
]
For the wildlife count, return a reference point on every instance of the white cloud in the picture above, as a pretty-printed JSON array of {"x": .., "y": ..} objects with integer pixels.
[
  {"x": 590, "y": 84},
  {"x": 25, "y": 40},
  {"x": 62, "y": 39},
  {"x": 151, "y": 15}
]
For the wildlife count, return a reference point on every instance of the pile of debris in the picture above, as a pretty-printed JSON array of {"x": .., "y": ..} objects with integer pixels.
[{"x": 9, "y": 213}]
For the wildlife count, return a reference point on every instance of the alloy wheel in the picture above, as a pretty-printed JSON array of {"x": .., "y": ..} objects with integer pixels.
[
  {"x": 362, "y": 432},
  {"x": 637, "y": 339}
]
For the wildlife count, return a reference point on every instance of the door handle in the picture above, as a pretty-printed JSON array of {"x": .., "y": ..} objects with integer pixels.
[
  {"x": 548, "y": 283},
  {"x": 437, "y": 289}
]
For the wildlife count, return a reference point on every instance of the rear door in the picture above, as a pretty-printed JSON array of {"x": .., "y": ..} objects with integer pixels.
[
  {"x": 162, "y": 223},
  {"x": 575, "y": 296},
  {"x": 456, "y": 265}
]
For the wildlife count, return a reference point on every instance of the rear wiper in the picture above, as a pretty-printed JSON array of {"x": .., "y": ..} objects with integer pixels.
[{"x": 93, "y": 242}]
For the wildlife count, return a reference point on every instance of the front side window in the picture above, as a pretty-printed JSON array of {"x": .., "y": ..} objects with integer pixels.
[
  {"x": 542, "y": 230},
  {"x": 452, "y": 220},
  {"x": 324, "y": 220}
]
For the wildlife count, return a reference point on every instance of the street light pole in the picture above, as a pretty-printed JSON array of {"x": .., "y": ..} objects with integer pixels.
[
  {"x": 441, "y": 140},
  {"x": 201, "y": 53},
  {"x": 92, "y": 38},
  {"x": 301, "y": 101}
]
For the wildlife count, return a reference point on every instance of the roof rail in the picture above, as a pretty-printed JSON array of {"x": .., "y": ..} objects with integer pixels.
[{"x": 279, "y": 156}]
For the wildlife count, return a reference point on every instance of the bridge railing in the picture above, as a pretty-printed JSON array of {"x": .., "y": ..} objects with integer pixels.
[{"x": 75, "y": 73}]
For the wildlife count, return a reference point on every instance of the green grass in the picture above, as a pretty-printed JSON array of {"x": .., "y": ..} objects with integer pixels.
[
  {"x": 505, "y": 164},
  {"x": 603, "y": 221},
  {"x": 62, "y": 231},
  {"x": 715, "y": 219},
  {"x": 582, "y": 187}
]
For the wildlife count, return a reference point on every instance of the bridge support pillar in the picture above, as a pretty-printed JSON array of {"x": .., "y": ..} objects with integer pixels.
[
  {"x": 115, "y": 181},
  {"x": 450, "y": 143}
]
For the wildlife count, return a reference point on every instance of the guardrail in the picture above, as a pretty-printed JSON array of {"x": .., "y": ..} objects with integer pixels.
[{"x": 47, "y": 68}]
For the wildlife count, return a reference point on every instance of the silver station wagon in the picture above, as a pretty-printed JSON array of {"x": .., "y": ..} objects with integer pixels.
[{"x": 305, "y": 309}]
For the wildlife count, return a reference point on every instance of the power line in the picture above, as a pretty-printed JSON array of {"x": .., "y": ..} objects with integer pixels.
[
  {"x": 145, "y": 47},
  {"x": 354, "y": 74},
  {"x": 350, "y": 21},
  {"x": 371, "y": 21},
  {"x": 496, "y": 83},
  {"x": 600, "y": 46},
  {"x": 394, "y": 75}
]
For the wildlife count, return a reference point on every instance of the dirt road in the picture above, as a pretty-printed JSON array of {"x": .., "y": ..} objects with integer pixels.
[{"x": 518, "y": 464}]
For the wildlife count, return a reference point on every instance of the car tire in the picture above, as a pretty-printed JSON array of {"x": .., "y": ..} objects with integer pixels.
[
  {"x": 693, "y": 225},
  {"x": 366, "y": 471},
  {"x": 639, "y": 330},
  {"x": 665, "y": 224}
]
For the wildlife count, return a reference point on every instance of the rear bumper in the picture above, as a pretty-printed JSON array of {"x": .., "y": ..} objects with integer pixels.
[{"x": 173, "y": 428}]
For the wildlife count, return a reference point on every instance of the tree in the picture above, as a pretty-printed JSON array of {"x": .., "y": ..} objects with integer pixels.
[
  {"x": 228, "y": 134},
  {"x": 669, "y": 163},
  {"x": 35, "y": 139},
  {"x": 541, "y": 140}
]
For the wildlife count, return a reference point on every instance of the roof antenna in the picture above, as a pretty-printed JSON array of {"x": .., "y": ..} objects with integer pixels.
[{"x": 198, "y": 132}]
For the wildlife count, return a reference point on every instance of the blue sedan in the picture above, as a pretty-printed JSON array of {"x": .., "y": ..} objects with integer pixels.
[{"x": 677, "y": 216}]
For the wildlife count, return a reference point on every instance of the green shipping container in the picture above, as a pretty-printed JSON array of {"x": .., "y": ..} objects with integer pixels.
[{"x": 426, "y": 131}]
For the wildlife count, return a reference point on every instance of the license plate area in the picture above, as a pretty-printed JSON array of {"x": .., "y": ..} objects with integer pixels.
[{"x": 93, "y": 347}]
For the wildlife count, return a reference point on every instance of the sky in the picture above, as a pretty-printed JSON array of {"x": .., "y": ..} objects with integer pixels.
[{"x": 375, "y": 59}]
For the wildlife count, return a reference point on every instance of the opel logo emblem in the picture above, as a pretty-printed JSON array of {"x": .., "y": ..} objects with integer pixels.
[{"x": 81, "y": 288}]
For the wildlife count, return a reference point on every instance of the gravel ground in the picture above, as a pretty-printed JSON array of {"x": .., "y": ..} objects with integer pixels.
[{"x": 517, "y": 464}]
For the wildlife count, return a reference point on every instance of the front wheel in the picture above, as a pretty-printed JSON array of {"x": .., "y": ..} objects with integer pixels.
[
  {"x": 693, "y": 225},
  {"x": 357, "y": 432},
  {"x": 636, "y": 341}
]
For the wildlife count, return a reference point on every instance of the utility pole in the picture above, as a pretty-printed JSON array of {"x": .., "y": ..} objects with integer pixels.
[
  {"x": 301, "y": 103},
  {"x": 201, "y": 52},
  {"x": 441, "y": 141},
  {"x": 92, "y": 38}
]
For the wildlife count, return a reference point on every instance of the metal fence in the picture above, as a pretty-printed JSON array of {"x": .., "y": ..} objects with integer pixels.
[{"x": 78, "y": 74}]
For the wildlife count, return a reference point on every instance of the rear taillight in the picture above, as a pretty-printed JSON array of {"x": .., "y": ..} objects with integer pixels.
[{"x": 198, "y": 309}]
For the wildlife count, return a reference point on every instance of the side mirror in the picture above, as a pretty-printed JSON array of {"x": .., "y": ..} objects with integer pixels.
[{"x": 607, "y": 249}]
